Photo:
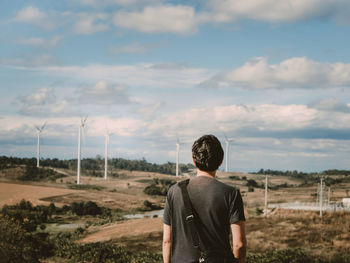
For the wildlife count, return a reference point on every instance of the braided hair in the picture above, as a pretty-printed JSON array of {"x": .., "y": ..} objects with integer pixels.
[{"x": 207, "y": 153}]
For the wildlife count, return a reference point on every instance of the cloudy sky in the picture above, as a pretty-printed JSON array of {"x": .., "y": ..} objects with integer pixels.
[{"x": 274, "y": 75}]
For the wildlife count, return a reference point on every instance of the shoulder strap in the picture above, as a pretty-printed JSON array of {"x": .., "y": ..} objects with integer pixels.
[{"x": 189, "y": 212}]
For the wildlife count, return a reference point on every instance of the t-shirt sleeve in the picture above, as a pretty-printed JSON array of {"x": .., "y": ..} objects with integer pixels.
[
  {"x": 236, "y": 208},
  {"x": 167, "y": 210}
]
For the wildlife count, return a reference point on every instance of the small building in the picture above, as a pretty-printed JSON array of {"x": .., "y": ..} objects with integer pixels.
[{"x": 346, "y": 202}]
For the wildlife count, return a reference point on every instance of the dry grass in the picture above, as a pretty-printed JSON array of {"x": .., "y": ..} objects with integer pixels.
[{"x": 291, "y": 229}]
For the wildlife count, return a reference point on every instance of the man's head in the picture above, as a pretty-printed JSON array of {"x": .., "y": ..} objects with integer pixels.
[{"x": 207, "y": 153}]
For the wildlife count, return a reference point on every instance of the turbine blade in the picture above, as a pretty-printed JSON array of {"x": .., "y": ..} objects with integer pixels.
[{"x": 42, "y": 127}]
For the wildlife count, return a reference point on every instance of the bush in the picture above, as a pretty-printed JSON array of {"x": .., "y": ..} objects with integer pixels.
[
  {"x": 250, "y": 189},
  {"x": 86, "y": 208},
  {"x": 19, "y": 245},
  {"x": 99, "y": 252},
  {"x": 159, "y": 187},
  {"x": 153, "y": 189},
  {"x": 86, "y": 187},
  {"x": 33, "y": 173}
]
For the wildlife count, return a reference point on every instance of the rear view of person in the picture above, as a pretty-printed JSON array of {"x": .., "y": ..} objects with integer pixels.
[{"x": 200, "y": 213}]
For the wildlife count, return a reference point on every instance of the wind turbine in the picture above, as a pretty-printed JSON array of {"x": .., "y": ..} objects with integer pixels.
[
  {"x": 177, "y": 155},
  {"x": 227, "y": 146},
  {"x": 81, "y": 127},
  {"x": 39, "y": 131},
  {"x": 106, "y": 151}
]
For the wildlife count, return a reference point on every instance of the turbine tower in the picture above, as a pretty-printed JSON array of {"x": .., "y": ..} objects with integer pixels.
[
  {"x": 106, "y": 152},
  {"x": 39, "y": 131},
  {"x": 81, "y": 127},
  {"x": 177, "y": 155},
  {"x": 227, "y": 146}
]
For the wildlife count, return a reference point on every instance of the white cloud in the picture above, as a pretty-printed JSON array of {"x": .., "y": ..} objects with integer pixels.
[
  {"x": 277, "y": 11},
  {"x": 35, "y": 16},
  {"x": 133, "y": 48},
  {"x": 89, "y": 23},
  {"x": 30, "y": 14},
  {"x": 149, "y": 110},
  {"x": 298, "y": 72},
  {"x": 42, "y": 102},
  {"x": 41, "y": 42},
  {"x": 330, "y": 104},
  {"x": 140, "y": 75},
  {"x": 102, "y": 94},
  {"x": 40, "y": 97},
  {"x": 103, "y": 3},
  {"x": 247, "y": 124},
  {"x": 159, "y": 19},
  {"x": 30, "y": 61}
]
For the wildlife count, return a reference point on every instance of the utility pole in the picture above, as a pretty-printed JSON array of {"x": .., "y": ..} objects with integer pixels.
[{"x": 265, "y": 211}]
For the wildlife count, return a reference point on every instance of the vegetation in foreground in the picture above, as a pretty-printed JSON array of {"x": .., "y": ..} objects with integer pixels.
[{"x": 23, "y": 238}]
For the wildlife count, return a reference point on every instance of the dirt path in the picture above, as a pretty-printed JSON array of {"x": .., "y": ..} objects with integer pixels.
[{"x": 135, "y": 227}]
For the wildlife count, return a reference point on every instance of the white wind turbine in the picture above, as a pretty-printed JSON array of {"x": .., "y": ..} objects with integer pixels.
[
  {"x": 39, "y": 131},
  {"x": 106, "y": 151},
  {"x": 177, "y": 155},
  {"x": 81, "y": 127},
  {"x": 227, "y": 146}
]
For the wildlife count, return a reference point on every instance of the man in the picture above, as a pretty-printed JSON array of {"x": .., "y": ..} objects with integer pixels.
[{"x": 218, "y": 209}]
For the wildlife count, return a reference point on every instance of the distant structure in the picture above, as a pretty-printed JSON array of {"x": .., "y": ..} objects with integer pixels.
[
  {"x": 321, "y": 205},
  {"x": 346, "y": 202},
  {"x": 227, "y": 147},
  {"x": 39, "y": 131},
  {"x": 81, "y": 127},
  {"x": 321, "y": 195},
  {"x": 106, "y": 152}
]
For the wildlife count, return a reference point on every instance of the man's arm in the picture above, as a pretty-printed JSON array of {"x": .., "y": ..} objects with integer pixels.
[
  {"x": 166, "y": 243},
  {"x": 239, "y": 241}
]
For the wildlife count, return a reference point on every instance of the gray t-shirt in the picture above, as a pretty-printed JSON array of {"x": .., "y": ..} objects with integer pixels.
[{"x": 217, "y": 205}]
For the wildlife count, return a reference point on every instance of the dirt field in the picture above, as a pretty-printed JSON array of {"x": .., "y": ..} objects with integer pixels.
[
  {"x": 13, "y": 193},
  {"x": 130, "y": 228}
]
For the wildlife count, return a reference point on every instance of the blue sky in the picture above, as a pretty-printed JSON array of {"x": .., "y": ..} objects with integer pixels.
[{"x": 273, "y": 75}]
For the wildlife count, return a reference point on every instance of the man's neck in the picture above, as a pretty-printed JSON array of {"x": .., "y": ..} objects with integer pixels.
[{"x": 205, "y": 173}]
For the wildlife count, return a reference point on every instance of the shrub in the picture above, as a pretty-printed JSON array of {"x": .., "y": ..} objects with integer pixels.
[
  {"x": 85, "y": 187},
  {"x": 159, "y": 187},
  {"x": 19, "y": 245},
  {"x": 250, "y": 189}
]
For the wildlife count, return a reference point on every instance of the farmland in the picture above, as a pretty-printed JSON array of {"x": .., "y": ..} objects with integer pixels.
[{"x": 327, "y": 237}]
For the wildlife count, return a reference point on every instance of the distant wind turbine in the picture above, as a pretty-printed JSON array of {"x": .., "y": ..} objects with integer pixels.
[
  {"x": 227, "y": 146},
  {"x": 39, "y": 131},
  {"x": 81, "y": 127},
  {"x": 106, "y": 151}
]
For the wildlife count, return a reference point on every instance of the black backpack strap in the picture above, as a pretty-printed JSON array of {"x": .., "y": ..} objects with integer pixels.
[{"x": 189, "y": 212}]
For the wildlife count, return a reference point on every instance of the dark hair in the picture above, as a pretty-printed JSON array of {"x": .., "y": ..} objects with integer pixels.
[{"x": 207, "y": 153}]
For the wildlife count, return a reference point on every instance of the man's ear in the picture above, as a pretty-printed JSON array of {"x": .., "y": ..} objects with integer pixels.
[{"x": 194, "y": 162}]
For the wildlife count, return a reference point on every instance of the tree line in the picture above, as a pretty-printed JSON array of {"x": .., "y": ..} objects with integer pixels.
[{"x": 96, "y": 165}]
